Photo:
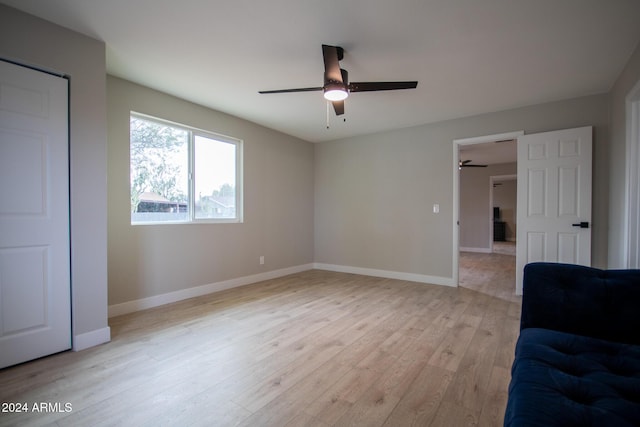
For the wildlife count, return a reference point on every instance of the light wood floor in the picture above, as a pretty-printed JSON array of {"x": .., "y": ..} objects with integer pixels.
[
  {"x": 491, "y": 274},
  {"x": 312, "y": 349}
]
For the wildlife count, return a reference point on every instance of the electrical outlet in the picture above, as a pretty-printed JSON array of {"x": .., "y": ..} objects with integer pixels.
[
  {"x": 261, "y": 259},
  {"x": 436, "y": 208}
]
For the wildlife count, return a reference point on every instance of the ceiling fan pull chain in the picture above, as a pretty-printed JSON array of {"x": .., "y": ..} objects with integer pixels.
[{"x": 327, "y": 114}]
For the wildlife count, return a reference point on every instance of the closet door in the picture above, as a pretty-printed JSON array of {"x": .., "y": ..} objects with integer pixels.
[{"x": 35, "y": 284}]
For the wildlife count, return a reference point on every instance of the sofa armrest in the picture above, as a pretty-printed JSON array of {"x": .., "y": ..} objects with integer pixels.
[{"x": 582, "y": 300}]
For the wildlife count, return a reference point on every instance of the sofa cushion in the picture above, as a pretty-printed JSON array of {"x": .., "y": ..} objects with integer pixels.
[
  {"x": 561, "y": 379},
  {"x": 582, "y": 300}
]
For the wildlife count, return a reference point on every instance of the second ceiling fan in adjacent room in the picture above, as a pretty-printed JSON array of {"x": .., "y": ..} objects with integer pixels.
[{"x": 467, "y": 164}]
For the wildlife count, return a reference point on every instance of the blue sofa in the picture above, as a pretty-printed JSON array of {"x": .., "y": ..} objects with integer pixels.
[{"x": 577, "y": 359}]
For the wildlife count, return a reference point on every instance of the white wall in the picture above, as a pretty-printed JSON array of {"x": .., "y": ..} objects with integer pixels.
[
  {"x": 147, "y": 261},
  {"x": 625, "y": 82},
  {"x": 374, "y": 194},
  {"x": 35, "y": 42}
]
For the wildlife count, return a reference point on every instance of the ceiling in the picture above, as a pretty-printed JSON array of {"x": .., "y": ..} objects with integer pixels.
[
  {"x": 490, "y": 153},
  {"x": 469, "y": 56}
]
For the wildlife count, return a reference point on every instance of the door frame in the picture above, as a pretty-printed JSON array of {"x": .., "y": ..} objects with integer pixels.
[
  {"x": 631, "y": 234},
  {"x": 456, "y": 190}
]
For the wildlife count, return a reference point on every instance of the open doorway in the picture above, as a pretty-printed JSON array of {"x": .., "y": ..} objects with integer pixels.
[
  {"x": 503, "y": 199},
  {"x": 479, "y": 164}
]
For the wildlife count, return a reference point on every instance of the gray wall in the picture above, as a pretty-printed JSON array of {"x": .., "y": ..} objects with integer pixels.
[
  {"x": 32, "y": 41},
  {"x": 625, "y": 82},
  {"x": 475, "y": 211},
  {"x": 150, "y": 260},
  {"x": 374, "y": 194}
]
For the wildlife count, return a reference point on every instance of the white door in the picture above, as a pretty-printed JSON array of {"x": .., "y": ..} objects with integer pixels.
[
  {"x": 554, "y": 198},
  {"x": 35, "y": 307}
]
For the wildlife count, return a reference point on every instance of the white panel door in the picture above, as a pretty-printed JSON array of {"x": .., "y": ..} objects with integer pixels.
[
  {"x": 554, "y": 198},
  {"x": 35, "y": 306}
]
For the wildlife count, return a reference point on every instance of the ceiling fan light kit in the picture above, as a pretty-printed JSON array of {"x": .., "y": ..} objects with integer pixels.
[
  {"x": 336, "y": 86},
  {"x": 335, "y": 91}
]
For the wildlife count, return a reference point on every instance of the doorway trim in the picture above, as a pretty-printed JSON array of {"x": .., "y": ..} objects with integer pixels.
[
  {"x": 631, "y": 253},
  {"x": 456, "y": 190}
]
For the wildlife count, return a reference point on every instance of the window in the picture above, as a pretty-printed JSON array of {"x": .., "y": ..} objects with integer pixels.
[{"x": 181, "y": 174}]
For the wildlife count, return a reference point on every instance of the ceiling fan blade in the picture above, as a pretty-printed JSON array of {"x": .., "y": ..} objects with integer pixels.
[
  {"x": 302, "y": 89},
  {"x": 465, "y": 164},
  {"x": 338, "y": 107},
  {"x": 332, "y": 56},
  {"x": 375, "y": 86}
]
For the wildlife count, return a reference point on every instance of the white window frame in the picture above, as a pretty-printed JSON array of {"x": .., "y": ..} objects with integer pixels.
[{"x": 193, "y": 132}]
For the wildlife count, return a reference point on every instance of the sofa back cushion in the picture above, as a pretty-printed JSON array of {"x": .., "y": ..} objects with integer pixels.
[{"x": 582, "y": 300}]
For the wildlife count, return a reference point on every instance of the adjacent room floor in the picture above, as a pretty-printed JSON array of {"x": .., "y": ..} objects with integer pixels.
[{"x": 491, "y": 273}]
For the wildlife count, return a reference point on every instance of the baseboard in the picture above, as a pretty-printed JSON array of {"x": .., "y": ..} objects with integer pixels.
[
  {"x": 478, "y": 250},
  {"x": 158, "y": 300},
  {"x": 421, "y": 278},
  {"x": 91, "y": 339}
]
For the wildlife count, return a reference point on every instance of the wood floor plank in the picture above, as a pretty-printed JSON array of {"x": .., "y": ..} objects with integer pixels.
[
  {"x": 419, "y": 405},
  {"x": 275, "y": 384},
  {"x": 315, "y": 348},
  {"x": 492, "y": 413},
  {"x": 337, "y": 400},
  {"x": 285, "y": 409},
  {"x": 452, "y": 349},
  {"x": 450, "y": 414},
  {"x": 471, "y": 381}
]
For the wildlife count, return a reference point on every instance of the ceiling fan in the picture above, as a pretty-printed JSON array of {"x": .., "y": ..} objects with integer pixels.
[
  {"x": 467, "y": 164},
  {"x": 336, "y": 86}
]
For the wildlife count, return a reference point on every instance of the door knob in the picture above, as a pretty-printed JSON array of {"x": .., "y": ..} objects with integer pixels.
[{"x": 583, "y": 224}]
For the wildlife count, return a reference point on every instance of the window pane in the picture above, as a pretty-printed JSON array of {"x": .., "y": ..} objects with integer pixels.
[
  {"x": 215, "y": 178},
  {"x": 159, "y": 172}
]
